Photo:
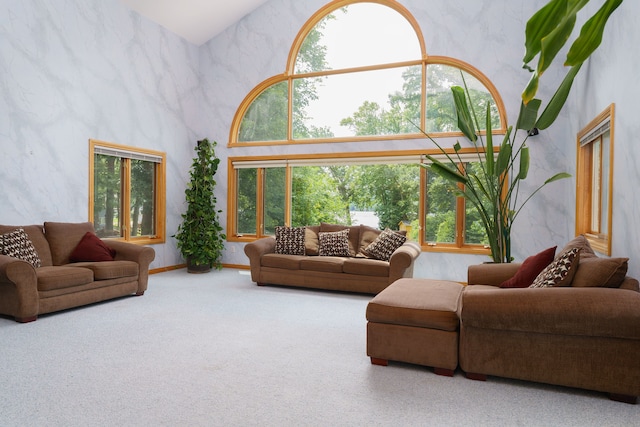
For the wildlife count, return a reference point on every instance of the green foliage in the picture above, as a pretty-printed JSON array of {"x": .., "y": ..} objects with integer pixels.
[
  {"x": 493, "y": 187},
  {"x": 200, "y": 237}
]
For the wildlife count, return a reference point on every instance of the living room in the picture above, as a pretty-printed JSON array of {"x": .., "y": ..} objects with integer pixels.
[{"x": 75, "y": 71}]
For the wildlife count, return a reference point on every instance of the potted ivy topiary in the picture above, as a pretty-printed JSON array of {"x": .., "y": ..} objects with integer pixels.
[{"x": 200, "y": 237}]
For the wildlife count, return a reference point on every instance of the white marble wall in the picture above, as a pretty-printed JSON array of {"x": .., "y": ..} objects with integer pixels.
[{"x": 71, "y": 70}]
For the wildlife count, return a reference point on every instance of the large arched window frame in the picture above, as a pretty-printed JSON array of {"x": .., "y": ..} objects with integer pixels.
[{"x": 290, "y": 76}]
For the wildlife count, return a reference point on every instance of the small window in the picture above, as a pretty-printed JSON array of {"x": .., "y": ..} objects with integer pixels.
[
  {"x": 127, "y": 192},
  {"x": 594, "y": 181}
]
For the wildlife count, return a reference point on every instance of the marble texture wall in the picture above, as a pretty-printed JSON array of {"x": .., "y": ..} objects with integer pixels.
[{"x": 71, "y": 70}]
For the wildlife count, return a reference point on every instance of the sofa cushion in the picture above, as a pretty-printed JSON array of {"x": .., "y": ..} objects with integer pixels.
[
  {"x": 600, "y": 272},
  {"x": 311, "y": 242},
  {"x": 106, "y": 270},
  {"x": 36, "y": 235},
  {"x": 329, "y": 264},
  {"x": 290, "y": 240},
  {"x": 354, "y": 234},
  {"x": 17, "y": 244},
  {"x": 580, "y": 242},
  {"x": 529, "y": 270},
  {"x": 385, "y": 245},
  {"x": 334, "y": 243},
  {"x": 63, "y": 237},
  {"x": 367, "y": 236},
  {"x": 59, "y": 277},
  {"x": 288, "y": 262},
  {"x": 366, "y": 267},
  {"x": 560, "y": 272},
  {"x": 91, "y": 248}
]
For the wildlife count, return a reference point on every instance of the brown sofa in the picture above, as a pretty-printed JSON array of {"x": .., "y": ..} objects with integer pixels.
[
  {"x": 584, "y": 337},
  {"x": 584, "y": 333},
  {"x": 354, "y": 273},
  {"x": 58, "y": 284}
]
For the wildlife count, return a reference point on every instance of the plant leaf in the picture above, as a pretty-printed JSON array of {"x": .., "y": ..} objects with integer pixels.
[
  {"x": 591, "y": 34},
  {"x": 489, "y": 150},
  {"x": 524, "y": 163},
  {"x": 540, "y": 24},
  {"x": 465, "y": 122},
  {"x": 528, "y": 114},
  {"x": 447, "y": 173},
  {"x": 532, "y": 87},
  {"x": 554, "y": 41},
  {"x": 504, "y": 158},
  {"x": 556, "y": 177},
  {"x": 551, "y": 111}
]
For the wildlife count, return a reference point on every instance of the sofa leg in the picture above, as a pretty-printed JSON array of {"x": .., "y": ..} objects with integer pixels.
[
  {"x": 139, "y": 294},
  {"x": 443, "y": 371},
  {"x": 476, "y": 377},
  {"x": 379, "y": 362},
  {"x": 26, "y": 319},
  {"x": 260, "y": 283},
  {"x": 624, "y": 398}
]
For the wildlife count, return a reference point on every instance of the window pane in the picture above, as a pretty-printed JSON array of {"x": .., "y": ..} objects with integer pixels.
[
  {"x": 378, "y": 102},
  {"x": 358, "y": 35},
  {"x": 596, "y": 187},
  {"x": 246, "y": 201},
  {"x": 315, "y": 197},
  {"x": 274, "y": 198},
  {"x": 474, "y": 231},
  {"x": 440, "y": 223},
  {"x": 604, "y": 169},
  {"x": 266, "y": 118},
  {"x": 440, "y": 110},
  {"x": 142, "y": 201},
  {"x": 107, "y": 195}
]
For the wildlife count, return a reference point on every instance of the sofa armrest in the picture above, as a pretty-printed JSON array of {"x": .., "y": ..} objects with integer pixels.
[
  {"x": 402, "y": 260},
  {"x": 142, "y": 255},
  {"x": 491, "y": 273},
  {"x": 18, "y": 289},
  {"x": 254, "y": 250}
]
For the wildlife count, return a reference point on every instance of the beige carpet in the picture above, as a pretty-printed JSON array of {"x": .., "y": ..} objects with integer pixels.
[{"x": 216, "y": 350}]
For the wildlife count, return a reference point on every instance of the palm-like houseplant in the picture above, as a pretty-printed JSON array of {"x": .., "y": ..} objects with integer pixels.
[
  {"x": 200, "y": 237},
  {"x": 493, "y": 187}
]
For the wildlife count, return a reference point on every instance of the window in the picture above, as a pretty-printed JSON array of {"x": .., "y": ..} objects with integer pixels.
[
  {"x": 381, "y": 190},
  {"x": 359, "y": 71},
  {"x": 594, "y": 181},
  {"x": 127, "y": 192}
]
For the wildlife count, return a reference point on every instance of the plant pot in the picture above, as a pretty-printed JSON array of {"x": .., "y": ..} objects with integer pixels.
[{"x": 196, "y": 268}]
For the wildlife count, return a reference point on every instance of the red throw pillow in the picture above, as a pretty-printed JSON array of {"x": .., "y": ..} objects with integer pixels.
[
  {"x": 91, "y": 248},
  {"x": 529, "y": 270}
]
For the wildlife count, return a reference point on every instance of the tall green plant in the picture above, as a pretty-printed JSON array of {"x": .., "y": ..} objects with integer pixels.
[
  {"x": 200, "y": 237},
  {"x": 494, "y": 189}
]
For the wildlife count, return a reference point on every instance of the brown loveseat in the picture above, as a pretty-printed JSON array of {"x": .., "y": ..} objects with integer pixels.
[
  {"x": 353, "y": 273},
  {"x": 58, "y": 284}
]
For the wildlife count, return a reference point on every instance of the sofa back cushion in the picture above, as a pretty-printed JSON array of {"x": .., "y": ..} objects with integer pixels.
[
  {"x": 63, "y": 237},
  {"x": 36, "y": 235}
]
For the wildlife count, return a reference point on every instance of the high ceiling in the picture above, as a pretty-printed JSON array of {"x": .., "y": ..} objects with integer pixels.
[{"x": 197, "y": 21}]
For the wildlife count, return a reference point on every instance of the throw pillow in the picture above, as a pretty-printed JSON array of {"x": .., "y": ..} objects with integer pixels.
[
  {"x": 334, "y": 243},
  {"x": 560, "y": 272},
  {"x": 600, "y": 272},
  {"x": 290, "y": 240},
  {"x": 529, "y": 270},
  {"x": 385, "y": 245},
  {"x": 91, "y": 249},
  {"x": 17, "y": 244}
]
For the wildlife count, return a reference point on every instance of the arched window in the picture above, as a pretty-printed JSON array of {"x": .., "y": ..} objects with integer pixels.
[{"x": 358, "y": 70}]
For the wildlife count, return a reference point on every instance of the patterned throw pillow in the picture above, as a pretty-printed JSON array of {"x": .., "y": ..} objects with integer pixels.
[
  {"x": 17, "y": 244},
  {"x": 560, "y": 272},
  {"x": 385, "y": 245},
  {"x": 334, "y": 243},
  {"x": 290, "y": 240}
]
